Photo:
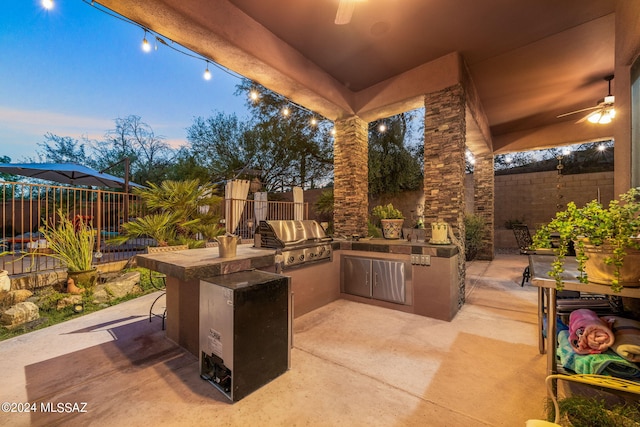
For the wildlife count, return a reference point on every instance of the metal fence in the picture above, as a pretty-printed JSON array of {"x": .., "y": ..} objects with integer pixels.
[
  {"x": 248, "y": 213},
  {"x": 24, "y": 208}
]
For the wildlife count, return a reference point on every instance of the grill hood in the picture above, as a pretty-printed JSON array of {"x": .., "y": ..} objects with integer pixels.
[{"x": 288, "y": 233}]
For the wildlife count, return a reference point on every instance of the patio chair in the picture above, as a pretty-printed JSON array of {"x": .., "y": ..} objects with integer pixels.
[{"x": 525, "y": 244}]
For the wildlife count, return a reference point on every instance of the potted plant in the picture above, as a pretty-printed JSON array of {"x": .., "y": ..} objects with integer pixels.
[
  {"x": 391, "y": 220},
  {"x": 72, "y": 243},
  {"x": 606, "y": 241}
]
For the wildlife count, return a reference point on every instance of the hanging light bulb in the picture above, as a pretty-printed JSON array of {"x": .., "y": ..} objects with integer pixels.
[
  {"x": 254, "y": 95},
  {"x": 286, "y": 111},
  {"x": 382, "y": 128},
  {"x": 207, "y": 73},
  {"x": 333, "y": 131},
  {"x": 314, "y": 121},
  {"x": 47, "y": 4},
  {"x": 146, "y": 47}
]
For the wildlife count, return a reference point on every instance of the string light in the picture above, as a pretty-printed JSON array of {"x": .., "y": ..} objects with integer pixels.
[
  {"x": 254, "y": 95},
  {"x": 47, "y": 4},
  {"x": 601, "y": 147},
  {"x": 382, "y": 128},
  {"x": 146, "y": 47}
]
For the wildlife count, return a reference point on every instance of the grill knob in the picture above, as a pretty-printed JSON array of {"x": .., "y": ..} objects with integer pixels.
[
  {"x": 291, "y": 259},
  {"x": 301, "y": 257}
]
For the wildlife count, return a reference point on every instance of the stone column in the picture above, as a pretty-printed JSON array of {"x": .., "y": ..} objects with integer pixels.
[
  {"x": 444, "y": 166},
  {"x": 350, "y": 176},
  {"x": 483, "y": 196}
]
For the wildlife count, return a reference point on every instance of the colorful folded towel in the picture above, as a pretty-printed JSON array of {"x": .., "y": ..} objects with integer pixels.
[
  {"x": 588, "y": 334},
  {"x": 627, "y": 337},
  {"x": 606, "y": 363}
]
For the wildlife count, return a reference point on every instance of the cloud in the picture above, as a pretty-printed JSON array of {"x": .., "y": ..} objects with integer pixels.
[{"x": 35, "y": 123}]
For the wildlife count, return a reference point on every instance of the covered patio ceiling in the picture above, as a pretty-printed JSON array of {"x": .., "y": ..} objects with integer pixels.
[{"x": 530, "y": 60}]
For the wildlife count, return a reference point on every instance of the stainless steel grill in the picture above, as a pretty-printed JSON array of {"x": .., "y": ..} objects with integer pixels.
[{"x": 301, "y": 242}]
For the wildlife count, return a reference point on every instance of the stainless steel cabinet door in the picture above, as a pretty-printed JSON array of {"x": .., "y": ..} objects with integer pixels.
[
  {"x": 356, "y": 278},
  {"x": 388, "y": 281}
]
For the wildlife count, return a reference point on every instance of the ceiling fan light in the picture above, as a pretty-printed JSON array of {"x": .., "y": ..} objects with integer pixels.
[
  {"x": 595, "y": 117},
  {"x": 612, "y": 113},
  {"x": 605, "y": 118}
]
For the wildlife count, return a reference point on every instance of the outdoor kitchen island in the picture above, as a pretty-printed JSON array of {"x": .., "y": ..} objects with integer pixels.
[{"x": 431, "y": 284}]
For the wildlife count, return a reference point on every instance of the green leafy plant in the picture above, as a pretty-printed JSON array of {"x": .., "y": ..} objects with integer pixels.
[
  {"x": 386, "y": 212},
  {"x": 582, "y": 411},
  {"x": 475, "y": 230},
  {"x": 71, "y": 243},
  {"x": 179, "y": 212},
  {"x": 617, "y": 226}
]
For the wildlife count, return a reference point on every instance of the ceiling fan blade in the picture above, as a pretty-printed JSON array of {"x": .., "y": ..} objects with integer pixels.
[
  {"x": 345, "y": 10},
  {"x": 578, "y": 111}
]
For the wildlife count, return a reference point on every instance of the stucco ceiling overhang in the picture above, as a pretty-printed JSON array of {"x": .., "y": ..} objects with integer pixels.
[{"x": 529, "y": 60}]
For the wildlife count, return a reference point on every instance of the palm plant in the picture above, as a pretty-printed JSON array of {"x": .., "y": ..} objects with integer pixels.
[{"x": 179, "y": 211}]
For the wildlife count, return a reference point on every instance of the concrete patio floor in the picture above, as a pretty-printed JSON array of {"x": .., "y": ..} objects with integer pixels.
[{"x": 352, "y": 365}]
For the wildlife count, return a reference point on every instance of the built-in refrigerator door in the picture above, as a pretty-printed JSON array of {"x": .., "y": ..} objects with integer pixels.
[
  {"x": 356, "y": 276},
  {"x": 388, "y": 280}
]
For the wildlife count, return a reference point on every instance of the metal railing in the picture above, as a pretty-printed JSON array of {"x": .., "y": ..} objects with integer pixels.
[
  {"x": 251, "y": 212},
  {"x": 24, "y": 208}
]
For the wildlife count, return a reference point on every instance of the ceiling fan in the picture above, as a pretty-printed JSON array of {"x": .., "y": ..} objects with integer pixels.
[
  {"x": 604, "y": 111},
  {"x": 345, "y": 10}
]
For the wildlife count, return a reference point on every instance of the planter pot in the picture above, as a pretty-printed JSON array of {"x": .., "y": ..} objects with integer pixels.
[
  {"x": 392, "y": 228},
  {"x": 601, "y": 273},
  {"x": 84, "y": 279}
]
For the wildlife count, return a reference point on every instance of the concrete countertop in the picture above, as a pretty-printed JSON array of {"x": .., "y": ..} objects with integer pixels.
[
  {"x": 193, "y": 264},
  {"x": 399, "y": 246}
]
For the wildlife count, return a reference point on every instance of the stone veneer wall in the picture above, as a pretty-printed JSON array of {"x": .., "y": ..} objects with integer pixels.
[
  {"x": 444, "y": 165},
  {"x": 484, "y": 200},
  {"x": 351, "y": 176}
]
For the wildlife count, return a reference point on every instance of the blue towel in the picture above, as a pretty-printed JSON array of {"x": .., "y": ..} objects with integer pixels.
[{"x": 606, "y": 363}]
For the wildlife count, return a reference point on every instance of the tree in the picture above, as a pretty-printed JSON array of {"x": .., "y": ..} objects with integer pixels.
[
  {"x": 149, "y": 154},
  {"x": 393, "y": 167},
  {"x": 221, "y": 144},
  {"x": 296, "y": 143},
  {"x": 63, "y": 149}
]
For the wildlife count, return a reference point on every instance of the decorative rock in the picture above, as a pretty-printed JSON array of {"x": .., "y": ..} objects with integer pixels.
[
  {"x": 69, "y": 301},
  {"x": 118, "y": 287},
  {"x": 15, "y": 297},
  {"x": 19, "y": 314},
  {"x": 123, "y": 285},
  {"x": 5, "y": 281}
]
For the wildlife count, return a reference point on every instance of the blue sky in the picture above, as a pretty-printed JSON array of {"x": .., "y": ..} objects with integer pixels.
[{"x": 72, "y": 70}]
